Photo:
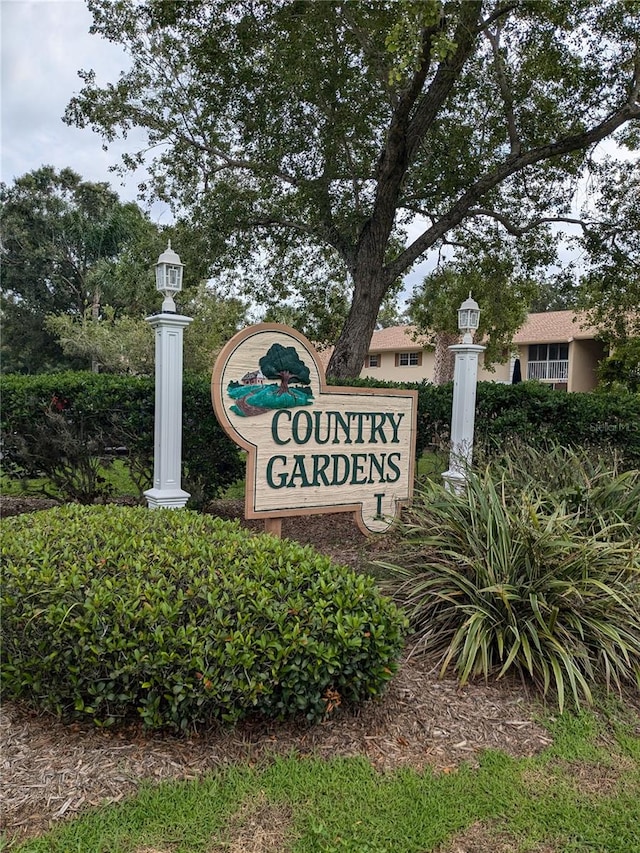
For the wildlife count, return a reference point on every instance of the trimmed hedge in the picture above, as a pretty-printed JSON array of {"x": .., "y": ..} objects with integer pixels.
[
  {"x": 535, "y": 413},
  {"x": 66, "y": 425},
  {"x": 532, "y": 412},
  {"x": 61, "y": 425},
  {"x": 182, "y": 618}
]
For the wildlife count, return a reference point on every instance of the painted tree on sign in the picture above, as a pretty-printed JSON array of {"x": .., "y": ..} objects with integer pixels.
[
  {"x": 285, "y": 364},
  {"x": 356, "y": 136}
]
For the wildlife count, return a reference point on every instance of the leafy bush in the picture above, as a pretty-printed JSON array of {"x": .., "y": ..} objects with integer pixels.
[
  {"x": 541, "y": 416},
  {"x": 67, "y": 426},
  {"x": 496, "y": 579},
  {"x": 181, "y": 618}
]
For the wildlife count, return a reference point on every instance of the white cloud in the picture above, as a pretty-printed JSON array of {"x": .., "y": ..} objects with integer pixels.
[{"x": 44, "y": 44}]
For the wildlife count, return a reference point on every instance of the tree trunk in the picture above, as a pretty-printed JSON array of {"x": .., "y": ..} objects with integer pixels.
[
  {"x": 285, "y": 376},
  {"x": 95, "y": 316},
  {"x": 352, "y": 346},
  {"x": 444, "y": 359}
]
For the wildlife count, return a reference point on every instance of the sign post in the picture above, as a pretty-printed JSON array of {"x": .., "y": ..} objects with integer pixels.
[{"x": 312, "y": 448}]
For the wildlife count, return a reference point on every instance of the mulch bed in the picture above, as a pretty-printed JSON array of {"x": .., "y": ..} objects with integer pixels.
[{"x": 50, "y": 771}]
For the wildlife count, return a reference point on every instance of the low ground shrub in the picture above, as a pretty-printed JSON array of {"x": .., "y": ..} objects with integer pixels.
[
  {"x": 496, "y": 579},
  {"x": 181, "y": 618}
]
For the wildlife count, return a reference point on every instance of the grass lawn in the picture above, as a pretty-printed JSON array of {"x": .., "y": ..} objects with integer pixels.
[
  {"x": 581, "y": 794},
  {"x": 116, "y": 476}
]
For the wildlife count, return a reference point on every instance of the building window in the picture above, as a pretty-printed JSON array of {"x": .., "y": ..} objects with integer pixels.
[
  {"x": 374, "y": 360},
  {"x": 408, "y": 359},
  {"x": 548, "y": 362}
]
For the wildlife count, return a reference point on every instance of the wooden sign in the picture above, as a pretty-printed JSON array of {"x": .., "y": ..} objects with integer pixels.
[{"x": 312, "y": 448}]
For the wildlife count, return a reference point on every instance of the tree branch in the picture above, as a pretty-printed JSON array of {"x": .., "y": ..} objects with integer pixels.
[
  {"x": 499, "y": 12},
  {"x": 445, "y": 77},
  {"x": 513, "y": 164},
  {"x": 375, "y": 56},
  {"x": 520, "y": 231},
  {"x": 505, "y": 90},
  {"x": 330, "y": 233},
  {"x": 406, "y": 132}
]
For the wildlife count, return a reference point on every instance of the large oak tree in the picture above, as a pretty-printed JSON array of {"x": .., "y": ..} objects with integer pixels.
[{"x": 364, "y": 134}]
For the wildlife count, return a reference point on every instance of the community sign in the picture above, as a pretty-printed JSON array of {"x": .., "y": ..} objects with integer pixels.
[{"x": 311, "y": 447}]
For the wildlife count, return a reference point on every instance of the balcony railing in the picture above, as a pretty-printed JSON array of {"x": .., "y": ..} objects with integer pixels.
[{"x": 555, "y": 371}]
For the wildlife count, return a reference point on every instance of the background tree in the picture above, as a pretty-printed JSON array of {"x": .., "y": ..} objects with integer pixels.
[
  {"x": 124, "y": 343},
  {"x": 319, "y": 314},
  {"x": 622, "y": 367},
  {"x": 112, "y": 344},
  {"x": 77, "y": 276},
  {"x": 497, "y": 282},
  {"x": 557, "y": 290},
  {"x": 289, "y": 126},
  {"x": 610, "y": 291},
  {"x": 216, "y": 319},
  {"x": 61, "y": 240}
]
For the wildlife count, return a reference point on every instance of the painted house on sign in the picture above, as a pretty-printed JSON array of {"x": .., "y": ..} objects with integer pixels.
[{"x": 254, "y": 377}]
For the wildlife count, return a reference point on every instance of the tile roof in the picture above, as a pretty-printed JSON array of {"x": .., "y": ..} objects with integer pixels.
[
  {"x": 395, "y": 338},
  {"x": 547, "y": 327},
  {"x": 554, "y": 327}
]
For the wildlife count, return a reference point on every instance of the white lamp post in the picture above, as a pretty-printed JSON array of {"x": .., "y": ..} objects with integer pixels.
[
  {"x": 169, "y": 277},
  {"x": 465, "y": 378},
  {"x": 169, "y": 327}
]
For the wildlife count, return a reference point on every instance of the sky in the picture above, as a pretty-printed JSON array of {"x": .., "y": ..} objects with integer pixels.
[{"x": 44, "y": 44}]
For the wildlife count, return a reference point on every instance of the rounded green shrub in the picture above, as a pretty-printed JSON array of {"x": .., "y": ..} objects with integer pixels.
[{"x": 182, "y": 618}]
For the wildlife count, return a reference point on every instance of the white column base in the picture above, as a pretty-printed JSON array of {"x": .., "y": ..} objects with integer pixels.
[
  {"x": 166, "y": 498},
  {"x": 454, "y": 481}
]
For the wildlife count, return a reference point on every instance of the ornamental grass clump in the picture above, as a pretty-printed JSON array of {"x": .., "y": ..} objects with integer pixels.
[
  {"x": 588, "y": 481},
  {"x": 177, "y": 618},
  {"x": 495, "y": 580}
]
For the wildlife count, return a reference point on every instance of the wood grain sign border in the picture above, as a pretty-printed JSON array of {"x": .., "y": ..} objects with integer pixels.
[{"x": 312, "y": 448}]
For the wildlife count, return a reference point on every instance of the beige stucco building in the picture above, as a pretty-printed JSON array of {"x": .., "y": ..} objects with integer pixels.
[
  {"x": 560, "y": 349},
  {"x": 557, "y": 348},
  {"x": 397, "y": 355}
]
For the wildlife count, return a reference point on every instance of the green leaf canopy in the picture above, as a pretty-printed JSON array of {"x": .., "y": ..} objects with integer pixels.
[{"x": 360, "y": 135}]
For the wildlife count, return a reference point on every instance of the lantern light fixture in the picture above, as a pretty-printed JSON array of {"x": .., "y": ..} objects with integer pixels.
[
  {"x": 468, "y": 318},
  {"x": 169, "y": 277}
]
